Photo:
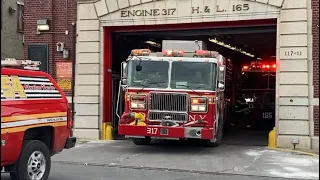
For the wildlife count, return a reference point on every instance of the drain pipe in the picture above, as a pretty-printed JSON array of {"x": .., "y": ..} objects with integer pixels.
[
  {"x": 310, "y": 70},
  {"x": 74, "y": 41}
]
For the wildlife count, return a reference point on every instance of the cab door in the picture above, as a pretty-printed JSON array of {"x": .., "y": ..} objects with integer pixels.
[
  {"x": 219, "y": 99},
  {"x": 220, "y": 90}
]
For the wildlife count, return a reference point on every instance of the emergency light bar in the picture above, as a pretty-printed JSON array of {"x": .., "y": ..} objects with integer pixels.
[
  {"x": 141, "y": 52},
  {"x": 174, "y": 53},
  {"x": 205, "y": 53},
  {"x": 259, "y": 66},
  {"x": 20, "y": 64}
]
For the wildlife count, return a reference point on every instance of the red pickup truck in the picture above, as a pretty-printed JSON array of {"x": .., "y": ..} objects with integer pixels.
[{"x": 35, "y": 121}]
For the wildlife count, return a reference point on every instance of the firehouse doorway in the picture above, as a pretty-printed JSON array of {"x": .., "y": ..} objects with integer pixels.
[{"x": 247, "y": 46}]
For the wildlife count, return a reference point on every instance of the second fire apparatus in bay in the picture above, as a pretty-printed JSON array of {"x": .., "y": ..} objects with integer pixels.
[
  {"x": 257, "y": 84},
  {"x": 174, "y": 95}
]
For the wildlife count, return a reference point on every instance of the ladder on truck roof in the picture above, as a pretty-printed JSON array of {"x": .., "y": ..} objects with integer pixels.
[{"x": 20, "y": 64}]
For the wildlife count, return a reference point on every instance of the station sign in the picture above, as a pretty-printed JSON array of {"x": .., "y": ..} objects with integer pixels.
[{"x": 225, "y": 7}]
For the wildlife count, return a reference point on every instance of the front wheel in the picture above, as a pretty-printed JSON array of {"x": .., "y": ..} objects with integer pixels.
[
  {"x": 218, "y": 137},
  {"x": 142, "y": 141},
  {"x": 34, "y": 162}
]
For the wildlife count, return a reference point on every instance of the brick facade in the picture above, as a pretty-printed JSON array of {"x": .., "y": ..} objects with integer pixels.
[
  {"x": 60, "y": 15},
  {"x": 315, "y": 32}
]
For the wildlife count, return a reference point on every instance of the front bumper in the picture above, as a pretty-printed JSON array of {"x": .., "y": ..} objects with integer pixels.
[
  {"x": 166, "y": 132},
  {"x": 70, "y": 143}
]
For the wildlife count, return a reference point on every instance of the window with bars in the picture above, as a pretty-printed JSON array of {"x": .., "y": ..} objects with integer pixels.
[{"x": 20, "y": 16}]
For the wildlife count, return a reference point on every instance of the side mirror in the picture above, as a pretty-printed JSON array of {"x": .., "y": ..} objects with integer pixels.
[
  {"x": 123, "y": 70},
  {"x": 123, "y": 81},
  {"x": 220, "y": 85},
  {"x": 123, "y": 84}
]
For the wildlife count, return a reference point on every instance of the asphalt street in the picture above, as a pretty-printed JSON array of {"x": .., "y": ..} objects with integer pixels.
[
  {"x": 175, "y": 160},
  {"x": 81, "y": 172}
]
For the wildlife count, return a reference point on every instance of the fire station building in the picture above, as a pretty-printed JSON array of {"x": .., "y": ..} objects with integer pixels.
[{"x": 296, "y": 50}]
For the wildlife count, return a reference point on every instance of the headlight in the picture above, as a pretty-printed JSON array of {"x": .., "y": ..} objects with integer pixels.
[
  {"x": 138, "y": 102},
  {"x": 137, "y": 105},
  {"x": 198, "y": 105},
  {"x": 249, "y": 100},
  {"x": 198, "y": 108}
]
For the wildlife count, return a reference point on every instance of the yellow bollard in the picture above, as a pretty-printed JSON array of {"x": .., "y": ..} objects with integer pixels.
[
  {"x": 108, "y": 131},
  {"x": 272, "y": 143},
  {"x": 103, "y": 136}
]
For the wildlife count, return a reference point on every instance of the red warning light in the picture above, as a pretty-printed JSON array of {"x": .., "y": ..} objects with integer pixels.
[
  {"x": 245, "y": 67},
  {"x": 175, "y": 53}
]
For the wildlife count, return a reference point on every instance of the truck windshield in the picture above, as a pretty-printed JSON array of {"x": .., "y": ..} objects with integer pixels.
[
  {"x": 195, "y": 75},
  {"x": 258, "y": 80},
  {"x": 154, "y": 74}
]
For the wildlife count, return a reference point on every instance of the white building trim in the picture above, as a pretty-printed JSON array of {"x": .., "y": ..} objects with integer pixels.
[{"x": 294, "y": 88}]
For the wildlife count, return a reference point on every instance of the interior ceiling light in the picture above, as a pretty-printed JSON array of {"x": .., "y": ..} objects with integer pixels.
[
  {"x": 230, "y": 47},
  {"x": 153, "y": 44}
]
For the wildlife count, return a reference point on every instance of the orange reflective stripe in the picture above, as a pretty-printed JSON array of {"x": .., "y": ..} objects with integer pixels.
[
  {"x": 32, "y": 116},
  {"x": 23, "y": 128}
]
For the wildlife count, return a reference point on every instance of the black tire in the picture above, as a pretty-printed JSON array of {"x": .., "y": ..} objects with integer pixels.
[
  {"x": 141, "y": 141},
  {"x": 218, "y": 136},
  {"x": 21, "y": 166}
]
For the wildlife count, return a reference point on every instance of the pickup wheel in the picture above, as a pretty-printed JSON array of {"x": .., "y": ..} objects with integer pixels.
[
  {"x": 142, "y": 141},
  {"x": 34, "y": 162}
]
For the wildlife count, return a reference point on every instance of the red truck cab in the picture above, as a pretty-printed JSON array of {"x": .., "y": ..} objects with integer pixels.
[{"x": 36, "y": 121}]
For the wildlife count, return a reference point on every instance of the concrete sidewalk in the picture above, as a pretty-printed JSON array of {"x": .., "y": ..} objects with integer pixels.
[{"x": 182, "y": 156}]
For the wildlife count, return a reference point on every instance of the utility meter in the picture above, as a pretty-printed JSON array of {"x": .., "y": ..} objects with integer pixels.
[{"x": 60, "y": 46}]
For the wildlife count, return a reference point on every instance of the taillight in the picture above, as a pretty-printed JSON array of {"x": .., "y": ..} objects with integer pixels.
[
  {"x": 198, "y": 104},
  {"x": 138, "y": 102},
  {"x": 69, "y": 118}
]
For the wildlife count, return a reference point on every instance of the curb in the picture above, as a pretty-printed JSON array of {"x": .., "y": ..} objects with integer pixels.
[{"x": 294, "y": 151}]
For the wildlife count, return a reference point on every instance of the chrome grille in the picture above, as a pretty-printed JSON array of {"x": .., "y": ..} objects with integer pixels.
[
  {"x": 159, "y": 116},
  {"x": 168, "y": 102}
]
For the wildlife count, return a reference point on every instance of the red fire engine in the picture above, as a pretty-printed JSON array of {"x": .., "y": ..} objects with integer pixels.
[
  {"x": 258, "y": 87},
  {"x": 35, "y": 120},
  {"x": 174, "y": 95}
]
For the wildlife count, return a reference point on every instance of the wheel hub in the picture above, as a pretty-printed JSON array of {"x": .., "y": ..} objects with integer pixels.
[{"x": 36, "y": 165}]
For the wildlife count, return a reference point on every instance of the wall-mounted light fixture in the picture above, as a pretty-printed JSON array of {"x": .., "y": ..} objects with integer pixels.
[
  {"x": 42, "y": 25},
  {"x": 231, "y": 47},
  {"x": 12, "y": 10}
]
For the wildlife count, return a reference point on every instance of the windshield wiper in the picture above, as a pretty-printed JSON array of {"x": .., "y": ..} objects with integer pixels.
[
  {"x": 187, "y": 86},
  {"x": 149, "y": 84}
]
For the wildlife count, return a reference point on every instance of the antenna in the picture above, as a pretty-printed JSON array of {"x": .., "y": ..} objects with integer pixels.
[{"x": 20, "y": 64}]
